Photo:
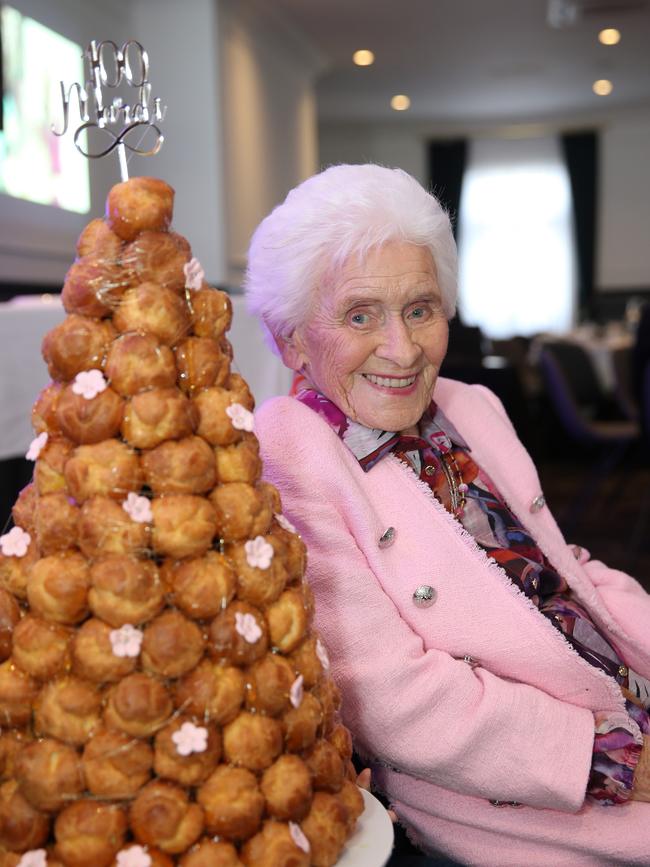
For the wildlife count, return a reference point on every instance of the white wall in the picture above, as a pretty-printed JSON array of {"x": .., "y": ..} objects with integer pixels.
[
  {"x": 394, "y": 146},
  {"x": 37, "y": 242},
  {"x": 624, "y": 210},
  {"x": 181, "y": 38},
  {"x": 624, "y": 230},
  {"x": 269, "y": 118}
]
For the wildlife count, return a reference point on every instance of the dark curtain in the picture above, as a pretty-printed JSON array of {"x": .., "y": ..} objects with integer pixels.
[
  {"x": 581, "y": 155},
  {"x": 446, "y": 167},
  {"x": 641, "y": 352}
]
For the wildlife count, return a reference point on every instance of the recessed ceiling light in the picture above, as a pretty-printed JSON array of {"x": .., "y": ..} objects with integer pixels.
[
  {"x": 400, "y": 102},
  {"x": 363, "y": 57},
  {"x": 602, "y": 87},
  {"x": 609, "y": 36}
]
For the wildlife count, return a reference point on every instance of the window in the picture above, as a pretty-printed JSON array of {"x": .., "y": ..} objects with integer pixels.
[
  {"x": 516, "y": 259},
  {"x": 35, "y": 164}
]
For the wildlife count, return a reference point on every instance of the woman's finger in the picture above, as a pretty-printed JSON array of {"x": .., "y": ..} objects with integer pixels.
[
  {"x": 363, "y": 780},
  {"x": 631, "y": 697}
]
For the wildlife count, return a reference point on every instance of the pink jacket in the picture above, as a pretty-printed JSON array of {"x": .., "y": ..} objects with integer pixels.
[{"x": 448, "y": 737}]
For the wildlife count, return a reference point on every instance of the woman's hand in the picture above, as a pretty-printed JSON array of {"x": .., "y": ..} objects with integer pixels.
[
  {"x": 363, "y": 781},
  {"x": 641, "y": 788}
]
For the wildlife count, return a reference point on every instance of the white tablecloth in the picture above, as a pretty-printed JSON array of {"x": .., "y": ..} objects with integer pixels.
[
  {"x": 600, "y": 346},
  {"x": 24, "y": 322}
]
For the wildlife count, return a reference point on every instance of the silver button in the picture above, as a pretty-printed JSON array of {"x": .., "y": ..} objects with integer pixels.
[
  {"x": 429, "y": 469},
  {"x": 386, "y": 539},
  {"x": 622, "y": 670},
  {"x": 424, "y": 596},
  {"x": 538, "y": 503}
]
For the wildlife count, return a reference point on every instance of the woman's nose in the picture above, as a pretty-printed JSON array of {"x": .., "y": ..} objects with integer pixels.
[{"x": 397, "y": 344}]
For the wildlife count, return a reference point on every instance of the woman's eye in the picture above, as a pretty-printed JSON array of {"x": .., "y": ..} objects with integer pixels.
[
  {"x": 418, "y": 313},
  {"x": 359, "y": 318}
]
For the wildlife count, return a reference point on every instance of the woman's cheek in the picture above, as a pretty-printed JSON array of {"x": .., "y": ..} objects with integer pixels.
[{"x": 344, "y": 351}]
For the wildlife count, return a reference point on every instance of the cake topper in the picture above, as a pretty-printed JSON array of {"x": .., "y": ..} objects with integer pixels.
[{"x": 107, "y": 67}]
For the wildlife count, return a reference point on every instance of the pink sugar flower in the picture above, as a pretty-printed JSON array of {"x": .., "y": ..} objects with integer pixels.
[
  {"x": 284, "y": 523},
  {"x": 259, "y": 553},
  {"x": 138, "y": 508},
  {"x": 134, "y": 856},
  {"x": 321, "y": 653},
  {"x": 194, "y": 274},
  {"x": 33, "y": 858},
  {"x": 241, "y": 418},
  {"x": 296, "y": 692},
  {"x": 126, "y": 640},
  {"x": 35, "y": 448},
  {"x": 190, "y": 739},
  {"x": 298, "y": 837},
  {"x": 15, "y": 543},
  {"x": 247, "y": 627},
  {"x": 89, "y": 383}
]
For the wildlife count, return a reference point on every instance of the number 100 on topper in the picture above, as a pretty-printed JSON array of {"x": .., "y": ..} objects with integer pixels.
[{"x": 126, "y": 123}]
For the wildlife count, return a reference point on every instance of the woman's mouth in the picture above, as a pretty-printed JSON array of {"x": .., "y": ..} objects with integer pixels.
[{"x": 390, "y": 381}]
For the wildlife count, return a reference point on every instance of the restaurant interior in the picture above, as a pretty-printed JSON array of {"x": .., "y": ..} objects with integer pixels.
[{"x": 530, "y": 119}]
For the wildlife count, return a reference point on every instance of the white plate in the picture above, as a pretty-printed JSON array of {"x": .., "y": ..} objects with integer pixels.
[{"x": 372, "y": 842}]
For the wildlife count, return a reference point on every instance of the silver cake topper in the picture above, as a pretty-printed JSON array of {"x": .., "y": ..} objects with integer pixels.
[{"x": 108, "y": 66}]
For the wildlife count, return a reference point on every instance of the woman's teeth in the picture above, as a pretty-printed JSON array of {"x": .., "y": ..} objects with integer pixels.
[{"x": 390, "y": 382}]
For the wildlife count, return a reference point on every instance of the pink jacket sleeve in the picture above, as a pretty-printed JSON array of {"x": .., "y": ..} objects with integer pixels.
[
  {"x": 627, "y": 603},
  {"x": 422, "y": 712},
  {"x": 625, "y": 599}
]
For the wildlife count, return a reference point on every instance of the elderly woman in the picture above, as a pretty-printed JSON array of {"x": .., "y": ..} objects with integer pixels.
[{"x": 495, "y": 677}]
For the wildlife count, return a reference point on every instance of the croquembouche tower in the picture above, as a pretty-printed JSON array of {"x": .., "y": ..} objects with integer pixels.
[{"x": 163, "y": 697}]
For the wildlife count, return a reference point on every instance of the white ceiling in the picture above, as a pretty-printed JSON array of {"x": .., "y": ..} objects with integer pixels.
[{"x": 473, "y": 60}]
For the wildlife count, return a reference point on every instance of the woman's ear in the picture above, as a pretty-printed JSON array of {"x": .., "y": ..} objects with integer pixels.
[{"x": 291, "y": 351}]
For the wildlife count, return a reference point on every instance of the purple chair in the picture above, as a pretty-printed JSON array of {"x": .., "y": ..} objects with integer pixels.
[{"x": 578, "y": 401}]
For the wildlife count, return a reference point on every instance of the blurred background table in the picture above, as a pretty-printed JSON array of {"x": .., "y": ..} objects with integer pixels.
[
  {"x": 26, "y": 319},
  {"x": 23, "y": 323},
  {"x": 605, "y": 346}
]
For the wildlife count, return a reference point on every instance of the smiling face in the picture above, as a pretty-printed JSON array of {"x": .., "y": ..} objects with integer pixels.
[{"x": 375, "y": 338}]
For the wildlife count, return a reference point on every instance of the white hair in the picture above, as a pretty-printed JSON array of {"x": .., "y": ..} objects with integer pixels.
[{"x": 345, "y": 210}]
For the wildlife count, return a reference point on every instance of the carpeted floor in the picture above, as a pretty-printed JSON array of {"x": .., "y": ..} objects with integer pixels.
[{"x": 612, "y": 521}]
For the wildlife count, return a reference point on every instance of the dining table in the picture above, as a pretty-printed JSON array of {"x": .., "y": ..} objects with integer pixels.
[
  {"x": 602, "y": 343},
  {"x": 24, "y": 321}
]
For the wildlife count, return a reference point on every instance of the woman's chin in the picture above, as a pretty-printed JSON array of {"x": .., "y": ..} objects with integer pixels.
[
  {"x": 380, "y": 410},
  {"x": 390, "y": 418}
]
